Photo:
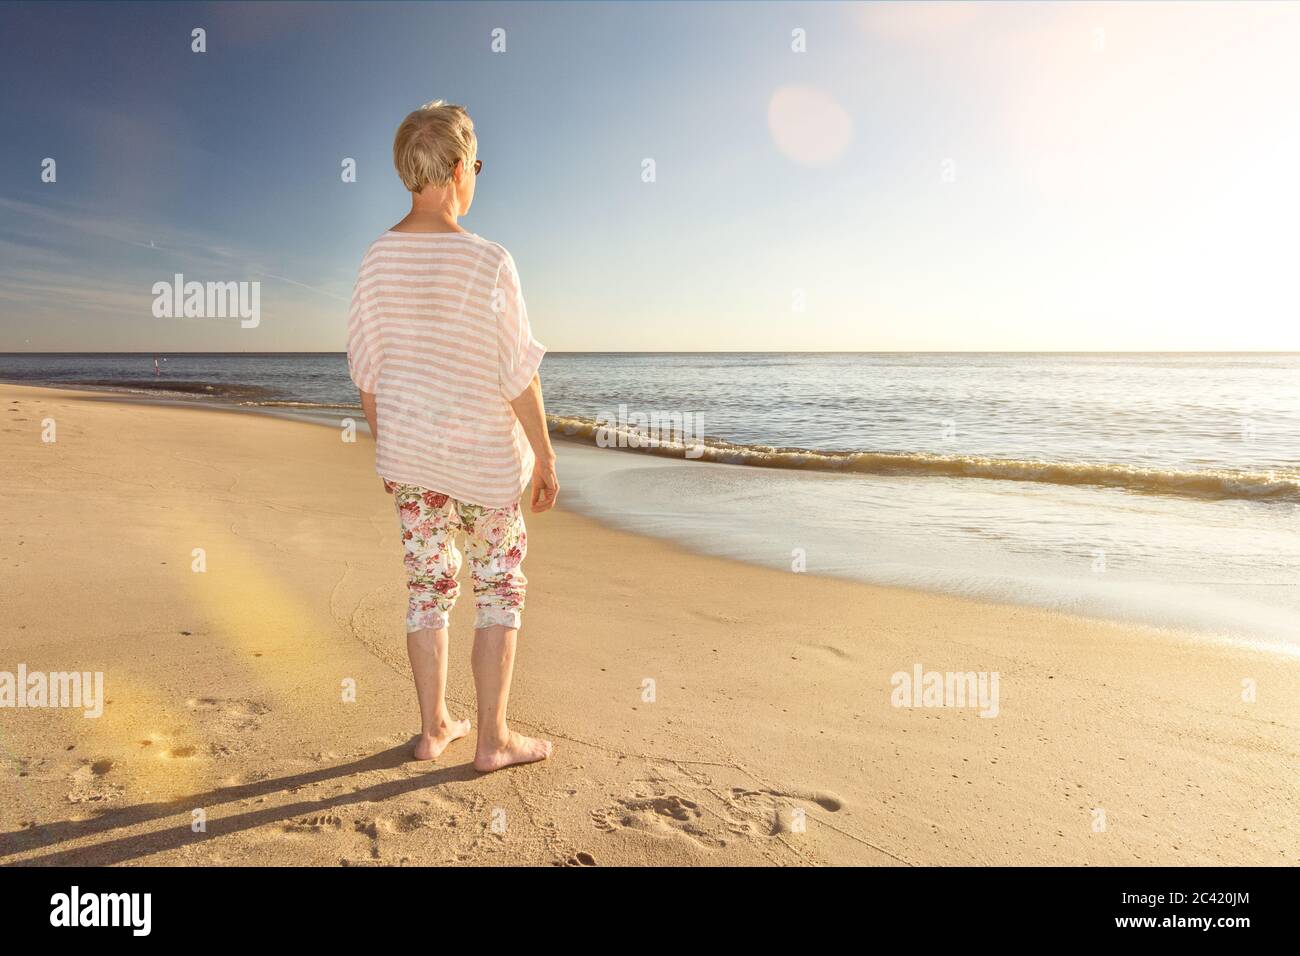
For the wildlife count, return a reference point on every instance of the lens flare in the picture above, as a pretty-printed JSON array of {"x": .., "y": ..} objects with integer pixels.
[{"x": 808, "y": 126}]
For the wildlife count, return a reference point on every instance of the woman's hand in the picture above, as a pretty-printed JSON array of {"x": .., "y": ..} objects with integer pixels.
[
  {"x": 531, "y": 412},
  {"x": 546, "y": 486}
]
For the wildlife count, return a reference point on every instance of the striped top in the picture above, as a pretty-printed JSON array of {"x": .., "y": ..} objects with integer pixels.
[{"x": 439, "y": 334}]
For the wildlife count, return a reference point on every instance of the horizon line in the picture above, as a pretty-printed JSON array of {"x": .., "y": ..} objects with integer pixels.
[{"x": 718, "y": 352}]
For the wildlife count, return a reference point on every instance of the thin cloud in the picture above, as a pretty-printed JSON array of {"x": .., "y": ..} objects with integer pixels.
[
  {"x": 197, "y": 251},
  {"x": 304, "y": 285}
]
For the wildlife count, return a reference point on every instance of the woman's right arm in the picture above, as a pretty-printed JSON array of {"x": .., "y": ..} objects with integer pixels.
[
  {"x": 531, "y": 412},
  {"x": 368, "y": 408}
]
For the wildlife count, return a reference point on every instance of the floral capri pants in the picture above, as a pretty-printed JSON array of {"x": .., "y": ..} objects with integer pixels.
[{"x": 495, "y": 541}]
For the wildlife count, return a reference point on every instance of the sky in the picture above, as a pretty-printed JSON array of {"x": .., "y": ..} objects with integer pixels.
[{"x": 857, "y": 176}]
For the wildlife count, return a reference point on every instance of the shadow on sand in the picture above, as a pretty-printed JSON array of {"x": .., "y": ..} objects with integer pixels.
[{"x": 133, "y": 847}]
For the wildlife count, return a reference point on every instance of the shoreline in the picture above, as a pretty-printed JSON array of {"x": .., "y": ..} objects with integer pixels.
[
  {"x": 705, "y": 711},
  {"x": 330, "y": 416},
  {"x": 1265, "y": 487}
]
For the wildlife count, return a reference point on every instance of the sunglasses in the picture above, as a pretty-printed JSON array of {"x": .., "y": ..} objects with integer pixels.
[{"x": 478, "y": 166}]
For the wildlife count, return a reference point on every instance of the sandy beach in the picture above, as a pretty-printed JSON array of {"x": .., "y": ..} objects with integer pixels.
[{"x": 230, "y": 733}]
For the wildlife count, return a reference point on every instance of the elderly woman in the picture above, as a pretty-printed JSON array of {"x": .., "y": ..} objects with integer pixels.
[{"x": 440, "y": 348}]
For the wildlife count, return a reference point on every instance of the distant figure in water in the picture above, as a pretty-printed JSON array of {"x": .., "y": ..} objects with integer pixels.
[
  {"x": 440, "y": 348},
  {"x": 156, "y": 369}
]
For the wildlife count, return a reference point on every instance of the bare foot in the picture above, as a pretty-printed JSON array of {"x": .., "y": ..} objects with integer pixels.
[
  {"x": 429, "y": 746},
  {"x": 516, "y": 749}
]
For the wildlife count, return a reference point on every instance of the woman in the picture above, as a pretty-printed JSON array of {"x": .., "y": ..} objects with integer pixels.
[{"x": 440, "y": 348}]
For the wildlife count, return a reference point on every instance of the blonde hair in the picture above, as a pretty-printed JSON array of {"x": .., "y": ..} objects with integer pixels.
[{"x": 430, "y": 141}]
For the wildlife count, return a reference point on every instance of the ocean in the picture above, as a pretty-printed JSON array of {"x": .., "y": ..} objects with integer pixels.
[{"x": 1161, "y": 488}]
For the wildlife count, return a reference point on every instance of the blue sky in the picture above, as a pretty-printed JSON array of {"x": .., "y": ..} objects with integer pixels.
[{"x": 924, "y": 176}]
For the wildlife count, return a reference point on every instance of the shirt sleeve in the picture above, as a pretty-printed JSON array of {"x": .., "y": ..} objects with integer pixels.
[
  {"x": 519, "y": 353},
  {"x": 363, "y": 358}
]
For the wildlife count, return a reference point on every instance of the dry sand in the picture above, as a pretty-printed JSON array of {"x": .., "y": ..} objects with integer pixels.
[{"x": 771, "y": 738}]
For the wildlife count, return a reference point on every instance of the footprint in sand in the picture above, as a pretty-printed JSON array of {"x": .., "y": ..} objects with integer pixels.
[
  {"x": 423, "y": 820},
  {"x": 742, "y": 813},
  {"x": 823, "y": 798},
  {"x": 315, "y": 823},
  {"x": 227, "y": 722},
  {"x": 773, "y": 812},
  {"x": 237, "y": 713},
  {"x": 664, "y": 815},
  {"x": 679, "y": 808},
  {"x": 92, "y": 783}
]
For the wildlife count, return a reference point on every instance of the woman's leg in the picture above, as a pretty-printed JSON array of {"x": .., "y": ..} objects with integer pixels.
[
  {"x": 427, "y": 649},
  {"x": 429, "y": 523},
  {"x": 493, "y": 661},
  {"x": 497, "y": 542}
]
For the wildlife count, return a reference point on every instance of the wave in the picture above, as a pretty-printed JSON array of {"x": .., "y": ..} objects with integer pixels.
[
  {"x": 1215, "y": 484},
  {"x": 220, "y": 393},
  {"x": 1212, "y": 484},
  {"x": 162, "y": 386},
  {"x": 323, "y": 406}
]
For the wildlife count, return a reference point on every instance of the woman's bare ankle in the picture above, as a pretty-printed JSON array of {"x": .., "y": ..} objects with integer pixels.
[
  {"x": 492, "y": 738},
  {"x": 513, "y": 749},
  {"x": 430, "y": 745},
  {"x": 439, "y": 726}
]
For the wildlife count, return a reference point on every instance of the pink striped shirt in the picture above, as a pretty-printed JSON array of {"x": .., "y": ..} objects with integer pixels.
[{"x": 439, "y": 334}]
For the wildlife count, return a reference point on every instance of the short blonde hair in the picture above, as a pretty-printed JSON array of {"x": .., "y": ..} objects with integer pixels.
[{"x": 430, "y": 141}]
